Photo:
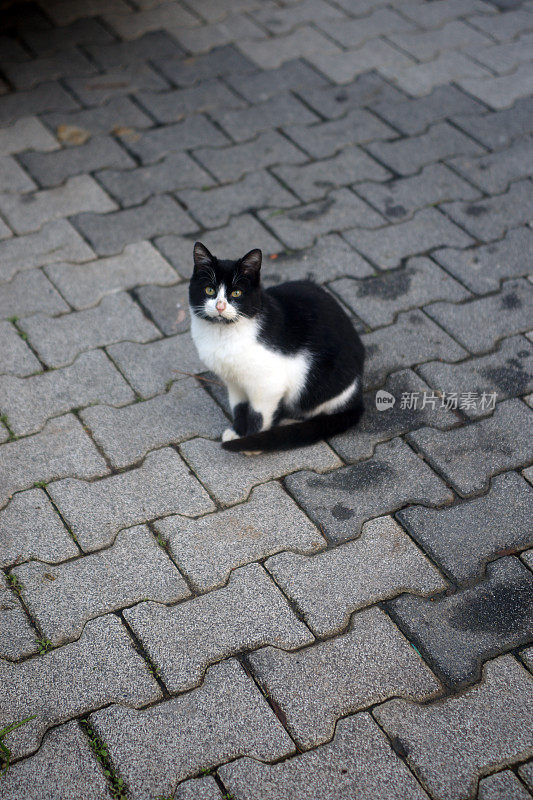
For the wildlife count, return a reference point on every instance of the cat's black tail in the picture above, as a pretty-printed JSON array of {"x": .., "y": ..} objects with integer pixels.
[{"x": 298, "y": 434}]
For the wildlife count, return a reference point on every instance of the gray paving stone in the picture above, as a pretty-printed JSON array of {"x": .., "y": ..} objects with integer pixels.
[
  {"x": 343, "y": 67},
  {"x": 131, "y": 26},
  {"x": 415, "y": 406},
  {"x": 151, "y": 367},
  {"x": 326, "y": 138},
  {"x": 526, "y": 773},
  {"x": 84, "y": 285},
  {"x": 27, "y": 133},
  {"x": 502, "y": 786},
  {"x": 406, "y": 156},
  {"x": 31, "y": 529},
  {"x": 299, "y": 227},
  {"x": 283, "y": 20},
  {"x": 458, "y": 633},
  {"x": 151, "y": 46},
  {"x": 329, "y": 587},
  {"x": 29, "y": 292},
  {"x": 27, "y": 74},
  {"x": 168, "y": 306},
  {"x": 16, "y": 358},
  {"x": 118, "y": 114},
  {"x": 354, "y": 32},
  {"x": 398, "y": 199},
  {"x": 194, "y": 132},
  {"x": 498, "y": 128},
  {"x": 221, "y": 61},
  {"x": 56, "y": 241},
  {"x": 291, "y": 76},
  {"x": 134, "y": 186},
  {"x": 482, "y": 268},
  {"x": 315, "y": 180},
  {"x": 201, "y": 39},
  {"x": 14, "y": 179},
  {"x": 427, "y": 44},
  {"x": 126, "y": 435},
  {"x": 175, "y": 105},
  {"x": 448, "y": 67},
  {"x": 52, "y": 40},
  {"x": 249, "y": 612},
  {"x": 64, "y": 767},
  {"x": 330, "y": 772},
  {"x": 198, "y": 789},
  {"x": 490, "y": 218},
  {"x": 29, "y": 402},
  {"x": 17, "y": 637},
  {"x": 97, "y": 511},
  {"x": 230, "y": 479},
  {"x": 231, "y": 163},
  {"x": 305, "y": 42},
  {"x": 367, "y": 89},
  {"x": 214, "y": 207},
  {"x": 502, "y": 58},
  {"x": 45, "y": 97},
  {"x": 129, "y": 80},
  {"x": 412, "y": 117},
  {"x": 478, "y": 324},
  {"x": 243, "y": 124},
  {"x": 317, "y": 685},
  {"x": 504, "y": 439},
  {"x": 377, "y": 300},
  {"x": 63, "y": 598},
  {"x": 413, "y": 339},
  {"x": 156, "y": 747},
  {"x": 109, "y": 233},
  {"x": 508, "y": 372},
  {"x": 452, "y": 742},
  {"x": 494, "y": 172},
  {"x": 58, "y": 340},
  {"x": 65, "y": 13},
  {"x": 209, "y": 548},
  {"x": 102, "y": 667},
  {"x": 428, "y": 229},
  {"x": 51, "y": 169},
  {"x": 503, "y": 27},
  {"x": 29, "y": 212},
  {"x": 62, "y": 448},
  {"x": 340, "y": 502}
]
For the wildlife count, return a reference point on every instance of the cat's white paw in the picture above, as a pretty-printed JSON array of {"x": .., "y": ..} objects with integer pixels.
[
  {"x": 228, "y": 435},
  {"x": 251, "y": 452}
]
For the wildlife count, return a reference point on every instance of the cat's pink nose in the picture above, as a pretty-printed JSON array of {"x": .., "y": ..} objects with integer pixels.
[{"x": 221, "y": 306}]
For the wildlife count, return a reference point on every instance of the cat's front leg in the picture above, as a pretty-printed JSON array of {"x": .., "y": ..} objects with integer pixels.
[{"x": 239, "y": 409}]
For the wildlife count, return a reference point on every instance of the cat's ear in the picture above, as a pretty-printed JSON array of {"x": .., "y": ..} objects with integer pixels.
[
  {"x": 251, "y": 263},
  {"x": 202, "y": 256}
]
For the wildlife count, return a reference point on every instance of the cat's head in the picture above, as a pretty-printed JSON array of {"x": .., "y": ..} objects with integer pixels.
[{"x": 225, "y": 291}]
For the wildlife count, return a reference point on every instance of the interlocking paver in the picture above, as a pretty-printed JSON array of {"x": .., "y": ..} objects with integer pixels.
[
  {"x": 221, "y": 61},
  {"x": 503, "y": 58},
  {"x": 505, "y": 26},
  {"x": 458, "y": 633},
  {"x": 208, "y": 548},
  {"x": 248, "y": 613},
  {"x": 198, "y": 789},
  {"x": 28, "y": 292},
  {"x": 479, "y": 323},
  {"x": 291, "y": 76},
  {"x": 56, "y": 241},
  {"x": 17, "y": 636},
  {"x": 454, "y": 35},
  {"x": 304, "y": 42},
  {"x": 334, "y": 101},
  {"x": 427, "y": 229},
  {"x": 398, "y": 199},
  {"x": 102, "y": 667},
  {"x": 328, "y": 587},
  {"x": 97, "y": 511},
  {"x": 197, "y": 131},
  {"x": 117, "y": 114},
  {"x": 343, "y": 500},
  {"x": 377, "y": 300},
  {"x": 317, "y": 685},
  {"x": 165, "y": 15},
  {"x": 64, "y": 767},
  {"x": 504, "y": 439},
  {"x": 151, "y": 46},
  {"x": 64, "y": 12},
  {"x": 63, "y": 598},
  {"x": 126, "y": 435},
  {"x": 526, "y": 773},
  {"x": 373, "y": 54},
  {"x": 125, "y": 80},
  {"x": 155, "y": 748},
  {"x": 482, "y": 268},
  {"x": 31, "y": 529},
  {"x": 452, "y": 742},
  {"x": 283, "y": 20},
  {"x": 501, "y": 92},
  {"x": 330, "y": 771},
  {"x": 499, "y": 128},
  {"x": 28, "y": 213},
  {"x": 16, "y": 358},
  {"x": 29, "y": 402},
  {"x": 15, "y": 179},
  {"x": 110, "y": 233},
  {"x": 242, "y": 125},
  {"x": 508, "y": 372},
  {"x": 26, "y": 74},
  {"x": 45, "y": 97},
  {"x": 151, "y": 367},
  {"x": 434, "y": 16},
  {"x": 421, "y": 79},
  {"x": 58, "y": 340},
  {"x": 214, "y": 467},
  {"x": 46, "y": 42},
  {"x": 493, "y": 173},
  {"x": 173, "y": 106},
  {"x": 326, "y": 138},
  {"x": 214, "y": 207},
  {"x": 413, "y": 339},
  {"x": 133, "y": 186},
  {"x": 27, "y": 133},
  {"x": 503, "y": 784},
  {"x": 168, "y": 306},
  {"x": 85, "y": 285}
]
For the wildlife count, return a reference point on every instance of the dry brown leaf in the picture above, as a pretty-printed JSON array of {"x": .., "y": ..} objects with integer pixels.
[{"x": 70, "y": 134}]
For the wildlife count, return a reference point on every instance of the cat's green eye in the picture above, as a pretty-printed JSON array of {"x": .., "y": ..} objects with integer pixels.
[
  {"x": 236, "y": 293},
  {"x": 209, "y": 290}
]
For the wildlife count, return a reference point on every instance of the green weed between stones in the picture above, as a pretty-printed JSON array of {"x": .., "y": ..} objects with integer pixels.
[
  {"x": 14, "y": 583},
  {"x": 118, "y": 787},
  {"x": 5, "y": 752},
  {"x": 44, "y": 645}
]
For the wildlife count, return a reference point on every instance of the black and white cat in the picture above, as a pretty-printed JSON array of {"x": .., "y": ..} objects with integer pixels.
[{"x": 287, "y": 352}]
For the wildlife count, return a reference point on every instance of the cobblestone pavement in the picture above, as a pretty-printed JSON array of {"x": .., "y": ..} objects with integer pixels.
[{"x": 350, "y": 621}]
